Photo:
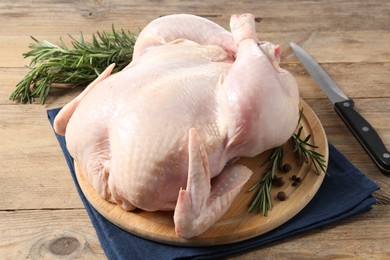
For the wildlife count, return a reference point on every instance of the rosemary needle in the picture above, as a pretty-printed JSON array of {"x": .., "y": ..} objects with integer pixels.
[
  {"x": 77, "y": 65},
  {"x": 261, "y": 200}
]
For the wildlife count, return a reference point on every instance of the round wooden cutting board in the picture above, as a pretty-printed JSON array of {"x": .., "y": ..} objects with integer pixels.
[{"x": 237, "y": 224}]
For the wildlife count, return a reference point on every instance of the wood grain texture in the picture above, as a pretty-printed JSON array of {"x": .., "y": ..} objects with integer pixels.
[
  {"x": 349, "y": 38},
  {"x": 48, "y": 234},
  {"x": 282, "y": 16},
  {"x": 28, "y": 177}
]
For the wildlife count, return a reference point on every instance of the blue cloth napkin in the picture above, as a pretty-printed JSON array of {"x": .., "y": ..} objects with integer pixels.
[{"x": 344, "y": 192}]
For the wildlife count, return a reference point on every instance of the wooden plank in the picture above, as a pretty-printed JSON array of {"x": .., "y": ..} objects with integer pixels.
[
  {"x": 35, "y": 233},
  {"x": 347, "y": 46},
  {"x": 326, "y": 47},
  {"x": 27, "y": 152},
  {"x": 48, "y": 234},
  {"x": 342, "y": 33},
  {"x": 358, "y": 80},
  {"x": 285, "y": 16}
]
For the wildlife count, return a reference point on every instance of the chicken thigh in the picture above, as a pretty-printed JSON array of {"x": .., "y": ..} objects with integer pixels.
[{"x": 158, "y": 135}]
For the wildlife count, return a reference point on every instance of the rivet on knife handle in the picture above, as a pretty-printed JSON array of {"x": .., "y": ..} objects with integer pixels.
[{"x": 365, "y": 133}]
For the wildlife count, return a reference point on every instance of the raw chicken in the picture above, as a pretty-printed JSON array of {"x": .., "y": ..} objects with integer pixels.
[{"x": 158, "y": 135}]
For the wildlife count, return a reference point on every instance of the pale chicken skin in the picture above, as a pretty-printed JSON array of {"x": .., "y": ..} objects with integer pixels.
[{"x": 159, "y": 134}]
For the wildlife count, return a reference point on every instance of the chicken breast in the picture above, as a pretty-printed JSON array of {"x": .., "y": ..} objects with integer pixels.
[{"x": 158, "y": 135}]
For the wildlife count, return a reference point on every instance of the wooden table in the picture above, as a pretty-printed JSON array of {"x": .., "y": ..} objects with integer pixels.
[{"x": 41, "y": 215}]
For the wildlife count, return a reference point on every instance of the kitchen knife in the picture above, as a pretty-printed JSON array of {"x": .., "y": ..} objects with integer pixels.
[{"x": 362, "y": 130}]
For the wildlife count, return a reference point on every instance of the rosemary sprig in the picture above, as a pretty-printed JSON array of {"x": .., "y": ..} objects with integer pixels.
[
  {"x": 261, "y": 200},
  {"x": 305, "y": 152},
  {"x": 79, "y": 65}
]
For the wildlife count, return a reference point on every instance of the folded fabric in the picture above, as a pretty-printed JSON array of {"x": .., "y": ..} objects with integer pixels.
[{"x": 344, "y": 192}]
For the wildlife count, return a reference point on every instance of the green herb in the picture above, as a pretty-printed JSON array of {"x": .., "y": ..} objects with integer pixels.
[
  {"x": 57, "y": 64},
  {"x": 305, "y": 150},
  {"x": 261, "y": 200}
]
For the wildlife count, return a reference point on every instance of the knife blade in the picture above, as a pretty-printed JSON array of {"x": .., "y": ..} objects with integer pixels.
[{"x": 344, "y": 106}]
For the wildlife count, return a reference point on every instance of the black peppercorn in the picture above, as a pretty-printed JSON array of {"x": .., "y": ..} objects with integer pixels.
[
  {"x": 297, "y": 181},
  {"x": 286, "y": 167},
  {"x": 281, "y": 196}
]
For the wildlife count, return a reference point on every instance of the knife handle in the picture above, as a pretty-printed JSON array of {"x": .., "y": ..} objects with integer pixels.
[{"x": 365, "y": 133}]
